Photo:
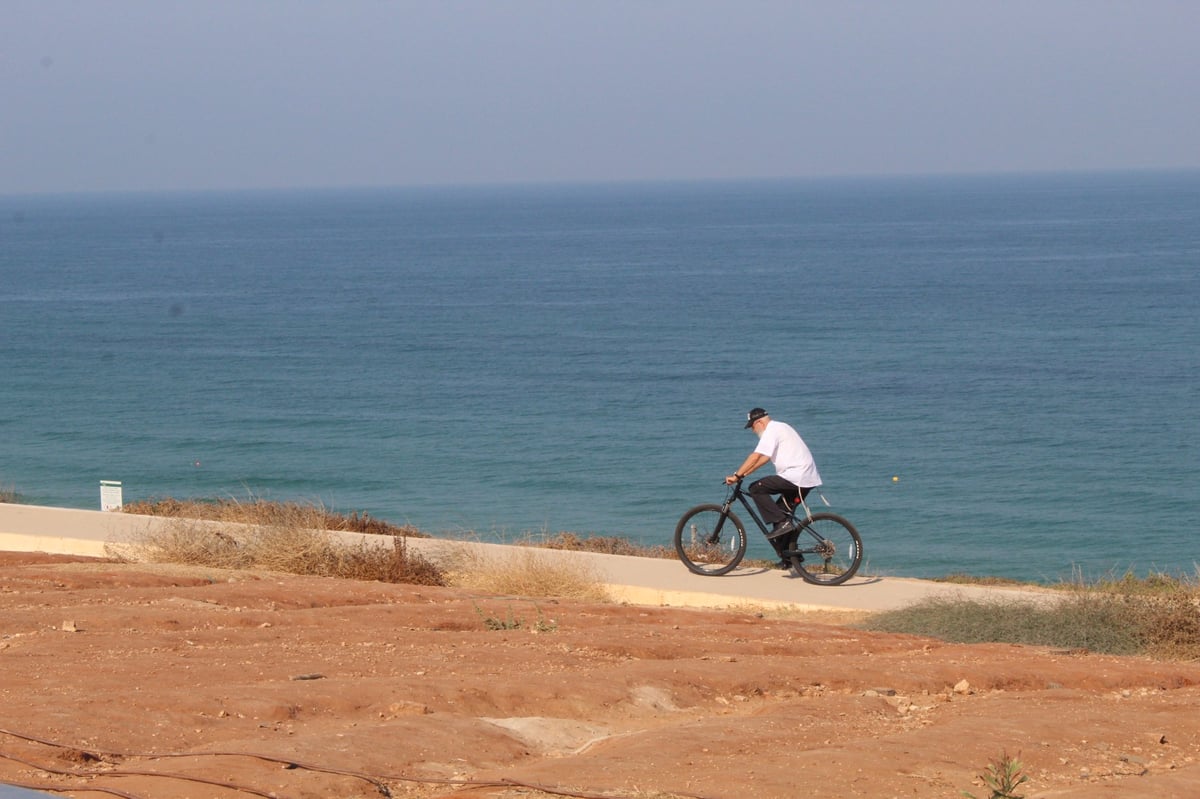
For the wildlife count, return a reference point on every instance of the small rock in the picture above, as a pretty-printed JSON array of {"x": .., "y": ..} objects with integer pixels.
[
  {"x": 69, "y": 626},
  {"x": 404, "y": 708},
  {"x": 962, "y": 687}
]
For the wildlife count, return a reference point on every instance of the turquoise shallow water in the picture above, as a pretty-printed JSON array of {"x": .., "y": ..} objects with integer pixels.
[{"x": 1019, "y": 351}]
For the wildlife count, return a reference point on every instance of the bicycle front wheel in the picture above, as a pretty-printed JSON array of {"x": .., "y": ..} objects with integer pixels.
[
  {"x": 828, "y": 550},
  {"x": 710, "y": 542}
]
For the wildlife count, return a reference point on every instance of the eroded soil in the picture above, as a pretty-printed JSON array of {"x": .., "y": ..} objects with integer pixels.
[{"x": 129, "y": 678}]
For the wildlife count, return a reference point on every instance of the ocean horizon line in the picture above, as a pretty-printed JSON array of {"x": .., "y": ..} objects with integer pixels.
[{"x": 615, "y": 183}]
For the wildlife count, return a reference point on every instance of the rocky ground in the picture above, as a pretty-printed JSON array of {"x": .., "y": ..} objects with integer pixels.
[{"x": 165, "y": 682}]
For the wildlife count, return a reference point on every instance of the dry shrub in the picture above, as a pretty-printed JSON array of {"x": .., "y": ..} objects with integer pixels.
[
  {"x": 1099, "y": 623},
  {"x": 1170, "y": 625},
  {"x": 607, "y": 545},
  {"x": 1155, "y": 583},
  {"x": 264, "y": 512},
  {"x": 1162, "y": 609},
  {"x": 1163, "y": 625},
  {"x": 188, "y": 544},
  {"x": 291, "y": 549},
  {"x": 525, "y": 572},
  {"x": 389, "y": 565},
  {"x": 958, "y": 578}
]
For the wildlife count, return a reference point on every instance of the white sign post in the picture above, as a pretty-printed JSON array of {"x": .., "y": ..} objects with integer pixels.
[{"x": 110, "y": 495}]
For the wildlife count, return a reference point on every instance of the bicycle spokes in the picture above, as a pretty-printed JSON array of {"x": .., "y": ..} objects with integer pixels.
[
  {"x": 710, "y": 541},
  {"x": 828, "y": 550}
]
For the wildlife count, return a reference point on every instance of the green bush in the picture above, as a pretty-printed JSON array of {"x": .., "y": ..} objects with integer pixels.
[{"x": 1164, "y": 624}]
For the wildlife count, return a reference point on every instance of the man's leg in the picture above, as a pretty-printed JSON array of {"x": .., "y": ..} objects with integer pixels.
[
  {"x": 773, "y": 512},
  {"x": 786, "y": 542},
  {"x": 762, "y": 490}
]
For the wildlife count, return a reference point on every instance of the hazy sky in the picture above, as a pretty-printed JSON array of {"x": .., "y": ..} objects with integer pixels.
[{"x": 183, "y": 94}]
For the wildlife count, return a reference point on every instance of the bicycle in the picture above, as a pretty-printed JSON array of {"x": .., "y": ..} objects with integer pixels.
[{"x": 711, "y": 540}]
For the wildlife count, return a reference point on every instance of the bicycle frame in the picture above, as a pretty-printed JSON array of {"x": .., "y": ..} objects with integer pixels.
[{"x": 736, "y": 493}]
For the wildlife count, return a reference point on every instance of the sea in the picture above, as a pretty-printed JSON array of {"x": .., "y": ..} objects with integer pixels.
[{"x": 997, "y": 375}]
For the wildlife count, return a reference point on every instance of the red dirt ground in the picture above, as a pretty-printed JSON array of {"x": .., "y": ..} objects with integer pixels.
[{"x": 128, "y": 678}]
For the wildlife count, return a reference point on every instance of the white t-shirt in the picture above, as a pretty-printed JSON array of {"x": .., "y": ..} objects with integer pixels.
[{"x": 793, "y": 462}]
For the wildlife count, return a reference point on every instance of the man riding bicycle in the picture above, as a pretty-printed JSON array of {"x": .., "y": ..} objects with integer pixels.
[{"x": 795, "y": 475}]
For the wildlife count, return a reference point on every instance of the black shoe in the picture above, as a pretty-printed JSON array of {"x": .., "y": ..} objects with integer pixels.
[
  {"x": 782, "y": 528},
  {"x": 784, "y": 564}
]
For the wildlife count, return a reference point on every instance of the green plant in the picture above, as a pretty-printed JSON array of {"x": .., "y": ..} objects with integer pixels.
[
  {"x": 1127, "y": 617},
  {"x": 511, "y": 622},
  {"x": 544, "y": 625},
  {"x": 1002, "y": 776}
]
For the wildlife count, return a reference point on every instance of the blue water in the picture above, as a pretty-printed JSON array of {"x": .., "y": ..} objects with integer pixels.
[{"x": 1020, "y": 352}]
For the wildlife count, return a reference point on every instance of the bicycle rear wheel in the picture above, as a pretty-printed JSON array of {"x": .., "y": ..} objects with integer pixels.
[
  {"x": 828, "y": 550},
  {"x": 710, "y": 542}
]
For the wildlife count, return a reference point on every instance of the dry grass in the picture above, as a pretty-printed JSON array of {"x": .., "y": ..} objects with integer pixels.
[
  {"x": 1129, "y": 584},
  {"x": 290, "y": 548},
  {"x": 262, "y": 512},
  {"x": 525, "y": 572},
  {"x": 968, "y": 579},
  {"x": 1169, "y": 625},
  {"x": 607, "y": 545},
  {"x": 295, "y": 538}
]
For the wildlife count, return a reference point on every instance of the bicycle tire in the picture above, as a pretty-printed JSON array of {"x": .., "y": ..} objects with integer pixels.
[
  {"x": 828, "y": 550},
  {"x": 710, "y": 542}
]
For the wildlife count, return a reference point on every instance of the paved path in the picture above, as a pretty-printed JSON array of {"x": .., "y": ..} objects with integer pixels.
[{"x": 641, "y": 581}]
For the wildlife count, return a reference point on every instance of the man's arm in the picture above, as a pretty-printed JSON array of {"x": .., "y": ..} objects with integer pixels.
[{"x": 752, "y": 462}]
